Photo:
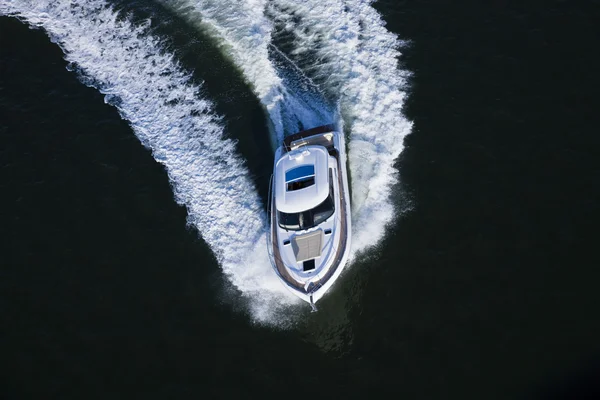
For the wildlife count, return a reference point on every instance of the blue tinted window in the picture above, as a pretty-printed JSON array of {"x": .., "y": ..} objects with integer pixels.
[{"x": 303, "y": 171}]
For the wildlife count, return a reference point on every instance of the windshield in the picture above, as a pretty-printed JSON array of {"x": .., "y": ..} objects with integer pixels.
[{"x": 310, "y": 218}]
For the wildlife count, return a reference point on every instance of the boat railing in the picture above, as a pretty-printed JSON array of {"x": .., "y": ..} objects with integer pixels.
[
  {"x": 269, "y": 226},
  {"x": 269, "y": 199}
]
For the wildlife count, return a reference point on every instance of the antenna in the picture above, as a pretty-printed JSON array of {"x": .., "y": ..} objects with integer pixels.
[{"x": 312, "y": 304}]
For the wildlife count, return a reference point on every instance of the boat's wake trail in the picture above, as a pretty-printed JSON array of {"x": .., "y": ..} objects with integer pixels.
[
  {"x": 244, "y": 33},
  {"x": 170, "y": 117},
  {"x": 299, "y": 57}
]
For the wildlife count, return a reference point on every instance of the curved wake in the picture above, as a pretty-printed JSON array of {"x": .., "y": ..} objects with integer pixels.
[
  {"x": 244, "y": 33},
  {"x": 342, "y": 46},
  {"x": 170, "y": 117}
]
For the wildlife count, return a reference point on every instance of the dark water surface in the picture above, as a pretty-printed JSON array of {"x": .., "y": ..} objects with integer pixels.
[{"x": 486, "y": 289}]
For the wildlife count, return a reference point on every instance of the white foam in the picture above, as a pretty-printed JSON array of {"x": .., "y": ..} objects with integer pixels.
[
  {"x": 170, "y": 117},
  {"x": 357, "y": 58},
  {"x": 244, "y": 33}
]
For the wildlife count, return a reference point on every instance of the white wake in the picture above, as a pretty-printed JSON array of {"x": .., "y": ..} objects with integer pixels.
[
  {"x": 341, "y": 44},
  {"x": 171, "y": 118},
  {"x": 243, "y": 32}
]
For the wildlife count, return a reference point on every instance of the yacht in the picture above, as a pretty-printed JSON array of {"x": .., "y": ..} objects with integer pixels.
[{"x": 309, "y": 212}]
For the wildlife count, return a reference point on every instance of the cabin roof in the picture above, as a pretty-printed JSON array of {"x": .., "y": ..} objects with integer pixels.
[{"x": 301, "y": 179}]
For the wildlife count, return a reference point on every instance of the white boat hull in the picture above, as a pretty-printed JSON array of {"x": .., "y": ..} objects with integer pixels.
[{"x": 283, "y": 243}]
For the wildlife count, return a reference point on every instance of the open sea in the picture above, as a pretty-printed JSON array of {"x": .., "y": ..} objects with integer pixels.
[{"x": 136, "y": 146}]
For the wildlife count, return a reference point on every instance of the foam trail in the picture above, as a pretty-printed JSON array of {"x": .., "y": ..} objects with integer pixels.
[
  {"x": 343, "y": 45},
  {"x": 169, "y": 116},
  {"x": 244, "y": 34}
]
